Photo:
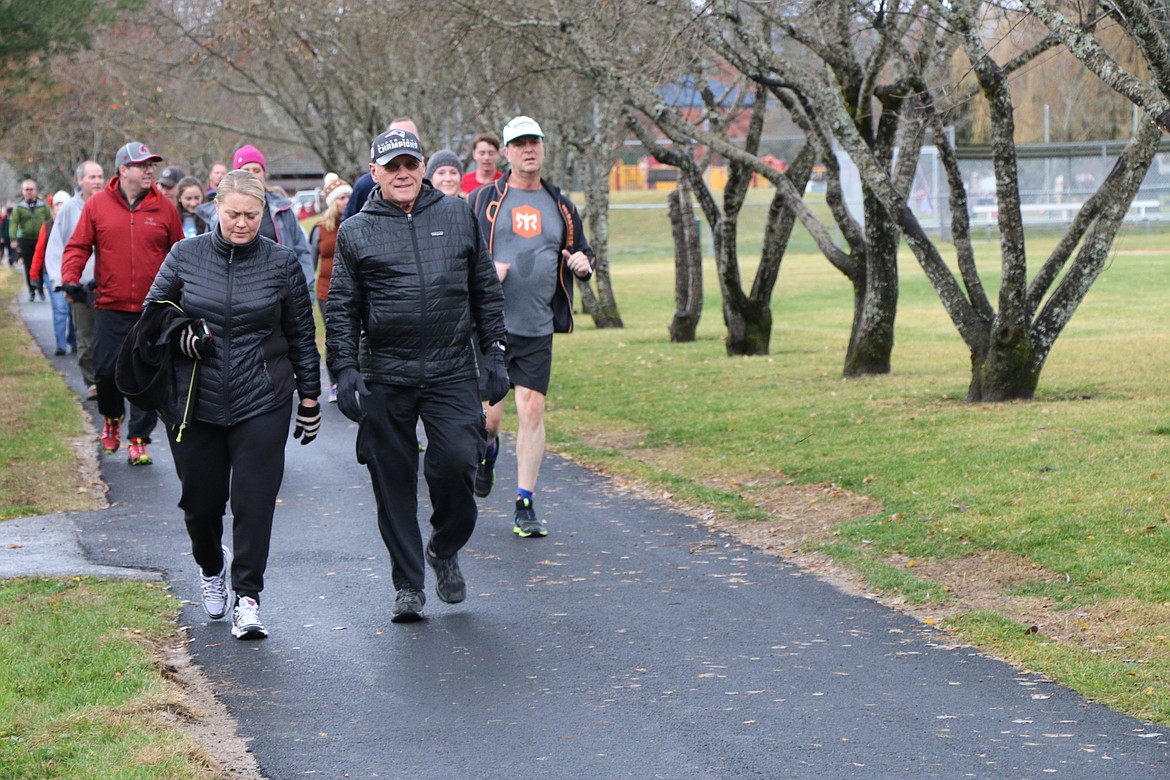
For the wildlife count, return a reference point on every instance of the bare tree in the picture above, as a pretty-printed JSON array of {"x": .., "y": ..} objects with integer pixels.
[
  {"x": 870, "y": 54},
  {"x": 328, "y": 77},
  {"x": 1009, "y": 344},
  {"x": 1147, "y": 28},
  {"x": 688, "y": 264}
]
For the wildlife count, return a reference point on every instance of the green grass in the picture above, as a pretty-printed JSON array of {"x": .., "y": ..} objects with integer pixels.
[
  {"x": 1075, "y": 483},
  {"x": 41, "y": 420},
  {"x": 1115, "y": 678},
  {"x": 80, "y": 690}
]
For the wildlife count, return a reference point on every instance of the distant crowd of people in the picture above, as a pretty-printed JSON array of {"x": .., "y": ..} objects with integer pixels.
[{"x": 440, "y": 290}]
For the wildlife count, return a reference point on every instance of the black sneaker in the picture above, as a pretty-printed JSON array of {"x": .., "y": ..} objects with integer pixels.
[
  {"x": 449, "y": 583},
  {"x": 485, "y": 475},
  {"x": 524, "y": 521},
  {"x": 408, "y": 606}
]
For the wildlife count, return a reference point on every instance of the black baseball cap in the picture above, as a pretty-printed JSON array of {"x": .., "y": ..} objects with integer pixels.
[
  {"x": 394, "y": 143},
  {"x": 171, "y": 176}
]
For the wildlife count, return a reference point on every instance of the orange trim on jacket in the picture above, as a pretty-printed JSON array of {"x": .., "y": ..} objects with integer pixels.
[{"x": 486, "y": 201}]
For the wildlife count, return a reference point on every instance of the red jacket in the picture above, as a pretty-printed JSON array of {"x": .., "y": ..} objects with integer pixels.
[
  {"x": 37, "y": 269},
  {"x": 129, "y": 245}
]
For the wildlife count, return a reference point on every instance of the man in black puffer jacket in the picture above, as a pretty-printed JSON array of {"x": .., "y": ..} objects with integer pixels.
[{"x": 412, "y": 285}]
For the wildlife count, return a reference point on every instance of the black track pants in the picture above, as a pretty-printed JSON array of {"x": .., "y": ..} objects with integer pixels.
[
  {"x": 243, "y": 463},
  {"x": 452, "y": 417},
  {"x": 110, "y": 329}
]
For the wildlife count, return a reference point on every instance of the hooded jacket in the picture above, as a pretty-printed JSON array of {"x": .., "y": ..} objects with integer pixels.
[
  {"x": 408, "y": 287},
  {"x": 486, "y": 201},
  {"x": 128, "y": 246},
  {"x": 254, "y": 299}
]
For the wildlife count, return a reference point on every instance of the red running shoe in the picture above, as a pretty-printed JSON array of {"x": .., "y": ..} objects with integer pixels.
[
  {"x": 138, "y": 454},
  {"x": 112, "y": 435}
]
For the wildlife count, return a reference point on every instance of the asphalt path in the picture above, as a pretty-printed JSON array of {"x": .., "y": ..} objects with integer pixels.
[{"x": 632, "y": 642}]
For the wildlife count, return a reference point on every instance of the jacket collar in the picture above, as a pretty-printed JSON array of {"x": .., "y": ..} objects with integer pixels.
[
  {"x": 225, "y": 247},
  {"x": 151, "y": 200},
  {"x": 427, "y": 196}
]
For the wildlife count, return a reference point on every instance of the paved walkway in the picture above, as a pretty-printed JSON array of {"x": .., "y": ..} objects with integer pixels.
[{"x": 629, "y": 643}]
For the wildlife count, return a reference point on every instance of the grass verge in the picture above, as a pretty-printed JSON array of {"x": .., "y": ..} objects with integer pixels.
[
  {"x": 81, "y": 689},
  {"x": 81, "y": 693},
  {"x": 45, "y": 430}
]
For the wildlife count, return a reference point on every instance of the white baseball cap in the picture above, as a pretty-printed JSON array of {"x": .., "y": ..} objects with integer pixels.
[{"x": 521, "y": 126}]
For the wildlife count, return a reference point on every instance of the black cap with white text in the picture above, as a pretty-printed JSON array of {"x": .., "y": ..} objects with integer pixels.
[{"x": 394, "y": 143}]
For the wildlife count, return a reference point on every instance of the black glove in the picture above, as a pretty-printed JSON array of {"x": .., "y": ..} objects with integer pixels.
[
  {"x": 351, "y": 389},
  {"x": 75, "y": 293},
  {"x": 493, "y": 374},
  {"x": 194, "y": 339},
  {"x": 308, "y": 422}
]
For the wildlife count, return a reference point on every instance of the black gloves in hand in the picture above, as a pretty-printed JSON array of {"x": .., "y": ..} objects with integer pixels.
[
  {"x": 194, "y": 339},
  {"x": 493, "y": 374},
  {"x": 351, "y": 389},
  {"x": 308, "y": 422},
  {"x": 75, "y": 293}
]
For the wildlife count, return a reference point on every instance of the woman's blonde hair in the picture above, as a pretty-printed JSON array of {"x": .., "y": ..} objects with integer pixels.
[
  {"x": 243, "y": 182},
  {"x": 331, "y": 219}
]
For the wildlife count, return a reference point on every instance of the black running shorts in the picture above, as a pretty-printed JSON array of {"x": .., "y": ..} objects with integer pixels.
[{"x": 530, "y": 362}]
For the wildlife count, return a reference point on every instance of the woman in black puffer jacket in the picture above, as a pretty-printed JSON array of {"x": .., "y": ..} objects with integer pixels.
[{"x": 258, "y": 347}]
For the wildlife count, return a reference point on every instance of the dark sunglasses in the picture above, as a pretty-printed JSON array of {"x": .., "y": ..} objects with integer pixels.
[{"x": 409, "y": 164}]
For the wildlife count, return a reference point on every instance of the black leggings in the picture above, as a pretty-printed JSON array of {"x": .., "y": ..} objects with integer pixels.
[
  {"x": 243, "y": 462},
  {"x": 28, "y": 248}
]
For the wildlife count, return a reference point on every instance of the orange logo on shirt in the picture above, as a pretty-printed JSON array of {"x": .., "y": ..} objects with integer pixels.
[{"x": 526, "y": 221}]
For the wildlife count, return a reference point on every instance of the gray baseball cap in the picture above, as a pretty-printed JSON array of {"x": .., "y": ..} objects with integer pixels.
[{"x": 134, "y": 152}]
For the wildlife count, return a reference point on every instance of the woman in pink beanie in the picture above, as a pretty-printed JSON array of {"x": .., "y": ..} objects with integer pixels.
[
  {"x": 279, "y": 222},
  {"x": 250, "y": 154}
]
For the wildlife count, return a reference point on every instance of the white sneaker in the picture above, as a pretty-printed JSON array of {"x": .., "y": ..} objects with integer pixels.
[
  {"x": 246, "y": 620},
  {"x": 216, "y": 591}
]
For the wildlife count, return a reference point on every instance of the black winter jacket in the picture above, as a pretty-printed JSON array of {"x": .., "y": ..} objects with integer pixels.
[
  {"x": 150, "y": 372},
  {"x": 406, "y": 291},
  {"x": 254, "y": 299}
]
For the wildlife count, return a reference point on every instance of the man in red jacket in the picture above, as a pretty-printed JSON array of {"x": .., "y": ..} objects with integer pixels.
[{"x": 129, "y": 227}]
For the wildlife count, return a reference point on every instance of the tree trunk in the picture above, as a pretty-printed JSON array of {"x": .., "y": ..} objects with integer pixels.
[
  {"x": 875, "y": 298},
  {"x": 688, "y": 265},
  {"x": 603, "y": 308},
  {"x": 749, "y": 328},
  {"x": 1007, "y": 372},
  {"x": 748, "y": 319}
]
